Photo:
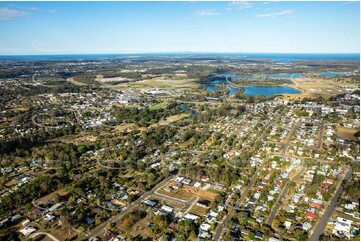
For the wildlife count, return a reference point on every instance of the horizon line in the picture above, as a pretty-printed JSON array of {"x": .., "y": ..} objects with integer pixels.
[{"x": 180, "y": 52}]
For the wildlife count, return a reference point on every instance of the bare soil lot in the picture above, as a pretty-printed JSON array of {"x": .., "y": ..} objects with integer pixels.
[{"x": 197, "y": 210}]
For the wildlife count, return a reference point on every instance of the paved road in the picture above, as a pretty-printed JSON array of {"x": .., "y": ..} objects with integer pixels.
[
  {"x": 278, "y": 203},
  {"x": 322, "y": 223},
  {"x": 289, "y": 140},
  {"x": 222, "y": 225},
  {"x": 117, "y": 217},
  {"x": 43, "y": 233},
  {"x": 319, "y": 145}
]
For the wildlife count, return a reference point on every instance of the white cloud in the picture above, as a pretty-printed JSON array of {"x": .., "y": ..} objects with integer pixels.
[
  {"x": 34, "y": 8},
  {"x": 51, "y": 11},
  {"x": 272, "y": 15},
  {"x": 7, "y": 14},
  {"x": 205, "y": 13},
  {"x": 241, "y": 4}
]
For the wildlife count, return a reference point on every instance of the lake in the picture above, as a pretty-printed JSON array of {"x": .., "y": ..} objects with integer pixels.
[
  {"x": 213, "y": 87},
  {"x": 333, "y": 74},
  {"x": 268, "y": 90}
]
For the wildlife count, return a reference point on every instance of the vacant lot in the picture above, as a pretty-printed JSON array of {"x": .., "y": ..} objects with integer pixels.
[
  {"x": 346, "y": 133},
  {"x": 141, "y": 228},
  {"x": 178, "y": 194},
  {"x": 187, "y": 192},
  {"x": 197, "y": 210},
  {"x": 50, "y": 196},
  {"x": 173, "y": 204}
]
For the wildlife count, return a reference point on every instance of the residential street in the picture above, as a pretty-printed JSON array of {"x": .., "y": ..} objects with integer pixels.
[{"x": 322, "y": 223}]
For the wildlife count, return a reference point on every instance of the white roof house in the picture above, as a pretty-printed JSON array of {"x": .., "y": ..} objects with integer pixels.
[
  {"x": 197, "y": 184},
  {"x": 342, "y": 227},
  {"x": 27, "y": 231},
  {"x": 191, "y": 216},
  {"x": 167, "y": 209},
  {"x": 205, "y": 227}
]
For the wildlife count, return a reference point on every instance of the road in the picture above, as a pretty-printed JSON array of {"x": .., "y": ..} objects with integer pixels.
[
  {"x": 222, "y": 225},
  {"x": 322, "y": 223},
  {"x": 319, "y": 145},
  {"x": 43, "y": 233},
  {"x": 278, "y": 203},
  {"x": 133, "y": 205},
  {"x": 289, "y": 140}
]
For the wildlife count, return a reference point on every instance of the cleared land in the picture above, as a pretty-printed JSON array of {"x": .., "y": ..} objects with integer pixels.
[
  {"x": 160, "y": 82},
  {"x": 346, "y": 133},
  {"x": 197, "y": 210},
  {"x": 312, "y": 87},
  {"x": 176, "y": 205},
  {"x": 50, "y": 196},
  {"x": 76, "y": 82}
]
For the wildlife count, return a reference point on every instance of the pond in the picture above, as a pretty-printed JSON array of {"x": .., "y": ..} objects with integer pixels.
[
  {"x": 268, "y": 90},
  {"x": 194, "y": 112}
]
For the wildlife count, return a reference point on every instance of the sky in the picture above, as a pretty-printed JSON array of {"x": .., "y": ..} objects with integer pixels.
[{"x": 32, "y": 28}]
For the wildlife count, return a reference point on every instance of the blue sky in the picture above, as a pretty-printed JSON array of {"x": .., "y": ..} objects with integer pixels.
[{"x": 138, "y": 27}]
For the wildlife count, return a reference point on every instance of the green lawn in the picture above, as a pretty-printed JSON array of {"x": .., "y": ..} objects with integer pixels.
[{"x": 159, "y": 106}]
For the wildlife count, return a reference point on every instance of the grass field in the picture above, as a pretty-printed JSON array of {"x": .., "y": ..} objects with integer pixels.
[
  {"x": 346, "y": 133},
  {"x": 171, "y": 119},
  {"x": 50, "y": 196},
  {"x": 160, "y": 82},
  {"x": 159, "y": 106},
  {"x": 81, "y": 138},
  {"x": 312, "y": 87},
  {"x": 76, "y": 82}
]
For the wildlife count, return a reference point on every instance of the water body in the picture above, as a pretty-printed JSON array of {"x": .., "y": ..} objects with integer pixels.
[
  {"x": 268, "y": 90},
  {"x": 194, "y": 112},
  {"x": 284, "y": 57},
  {"x": 333, "y": 74},
  {"x": 213, "y": 87},
  {"x": 276, "y": 76}
]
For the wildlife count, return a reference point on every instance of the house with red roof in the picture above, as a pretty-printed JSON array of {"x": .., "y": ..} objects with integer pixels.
[
  {"x": 315, "y": 205},
  {"x": 311, "y": 216}
]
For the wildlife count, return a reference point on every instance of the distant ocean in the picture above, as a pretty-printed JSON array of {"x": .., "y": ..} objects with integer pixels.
[{"x": 280, "y": 57}]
